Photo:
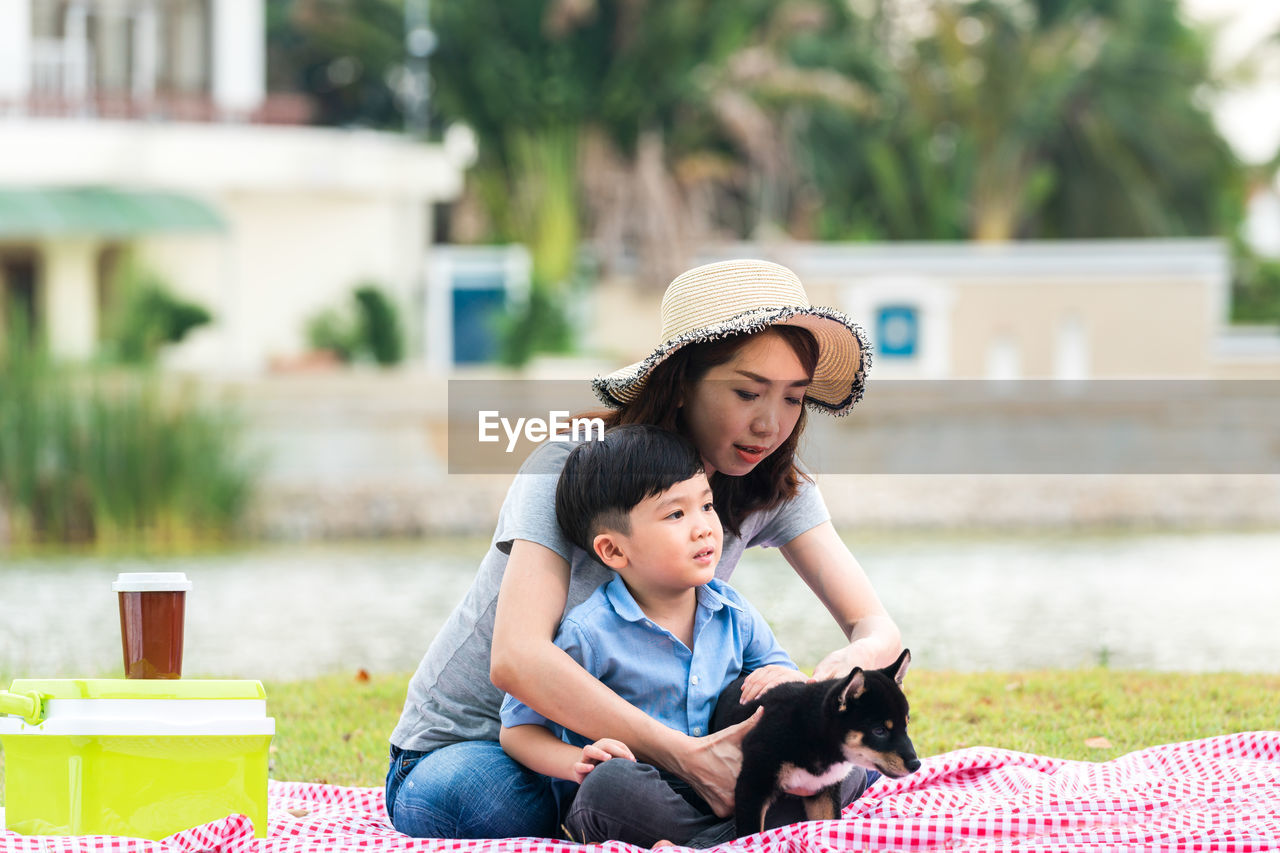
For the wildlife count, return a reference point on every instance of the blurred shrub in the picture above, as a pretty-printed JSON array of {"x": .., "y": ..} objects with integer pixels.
[
  {"x": 147, "y": 316},
  {"x": 380, "y": 325},
  {"x": 541, "y": 325},
  {"x": 367, "y": 328},
  {"x": 113, "y": 458},
  {"x": 1256, "y": 289},
  {"x": 334, "y": 331}
]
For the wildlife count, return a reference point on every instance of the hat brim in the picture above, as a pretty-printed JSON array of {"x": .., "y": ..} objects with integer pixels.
[{"x": 839, "y": 379}]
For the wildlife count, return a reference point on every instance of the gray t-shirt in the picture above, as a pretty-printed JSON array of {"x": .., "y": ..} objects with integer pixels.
[{"x": 450, "y": 697}]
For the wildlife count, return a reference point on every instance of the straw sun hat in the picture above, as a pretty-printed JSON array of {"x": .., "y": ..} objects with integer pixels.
[{"x": 743, "y": 296}]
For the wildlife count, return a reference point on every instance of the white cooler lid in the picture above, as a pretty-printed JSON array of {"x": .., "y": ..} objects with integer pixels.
[{"x": 144, "y": 707}]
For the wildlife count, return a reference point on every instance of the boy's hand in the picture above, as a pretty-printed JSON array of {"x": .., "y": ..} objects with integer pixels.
[
  {"x": 766, "y": 677},
  {"x": 599, "y": 752}
]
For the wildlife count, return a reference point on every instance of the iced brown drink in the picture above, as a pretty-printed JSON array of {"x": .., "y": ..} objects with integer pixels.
[{"x": 152, "y": 611}]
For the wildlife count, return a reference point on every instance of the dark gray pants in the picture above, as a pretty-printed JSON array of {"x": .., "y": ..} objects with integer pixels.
[{"x": 639, "y": 804}]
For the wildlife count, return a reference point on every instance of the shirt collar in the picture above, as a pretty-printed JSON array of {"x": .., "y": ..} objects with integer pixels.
[
  {"x": 621, "y": 601},
  {"x": 624, "y": 604},
  {"x": 711, "y": 597}
]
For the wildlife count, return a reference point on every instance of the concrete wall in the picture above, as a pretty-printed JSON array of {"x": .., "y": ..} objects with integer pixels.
[
  {"x": 365, "y": 453},
  {"x": 1132, "y": 328}
]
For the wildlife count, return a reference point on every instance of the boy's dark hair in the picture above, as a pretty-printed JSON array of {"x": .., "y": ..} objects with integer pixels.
[{"x": 603, "y": 480}]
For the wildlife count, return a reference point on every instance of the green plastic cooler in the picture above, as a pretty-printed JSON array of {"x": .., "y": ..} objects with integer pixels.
[{"x": 138, "y": 758}]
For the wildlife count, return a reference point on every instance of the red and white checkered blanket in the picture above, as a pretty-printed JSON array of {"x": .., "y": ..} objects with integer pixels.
[{"x": 1220, "y": 795}]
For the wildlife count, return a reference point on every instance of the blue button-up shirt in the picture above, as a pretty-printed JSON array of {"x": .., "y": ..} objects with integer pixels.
[{"x": 646, "y": 665}]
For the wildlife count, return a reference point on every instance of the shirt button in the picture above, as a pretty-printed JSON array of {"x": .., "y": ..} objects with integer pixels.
[
  {"x": 693, "y": 680},
  {"x": 697, "y": 730}
]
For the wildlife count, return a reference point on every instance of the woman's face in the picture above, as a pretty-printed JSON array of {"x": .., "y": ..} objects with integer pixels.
[{"x": 742, "y": 410}]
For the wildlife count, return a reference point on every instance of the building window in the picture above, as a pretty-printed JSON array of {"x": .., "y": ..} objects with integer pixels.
[
  {"x": 897, "y": 331},
  {"x": 1004, "y": 360},
  {"x": 1071, "y": 350},
  {"x": 185, "y": 33}
]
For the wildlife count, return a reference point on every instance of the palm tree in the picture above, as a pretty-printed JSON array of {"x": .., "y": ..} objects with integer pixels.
[
  {"x": 682, "y": 118},
  {"x": 1137, "y": 152},
  {"x": 1022, "y": 118}
]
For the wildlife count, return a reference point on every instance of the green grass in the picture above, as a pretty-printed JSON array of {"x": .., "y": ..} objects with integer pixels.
[
  {"x": 1061, "y": 713},
  {"x": 334, "y": 729}
]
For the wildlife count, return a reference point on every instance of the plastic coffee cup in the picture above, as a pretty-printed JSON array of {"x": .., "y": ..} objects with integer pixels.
[{"x": 152, "y": 612}]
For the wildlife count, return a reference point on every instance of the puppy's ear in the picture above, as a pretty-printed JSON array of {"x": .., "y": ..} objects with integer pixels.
[
  {"x": 850, "y": 688},
  {"x": 898, "y": 669}
]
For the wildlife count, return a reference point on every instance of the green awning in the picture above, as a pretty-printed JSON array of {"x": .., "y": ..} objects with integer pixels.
[{"x": 31, "y": 212}]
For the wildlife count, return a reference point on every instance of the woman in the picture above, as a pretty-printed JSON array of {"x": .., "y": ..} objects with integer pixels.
[{"x": 742, "y": 353}]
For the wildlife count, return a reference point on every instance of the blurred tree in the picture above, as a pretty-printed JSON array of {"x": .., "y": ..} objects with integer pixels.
[
  {"x": 1031, "y": 118},
  {"x": 534, "y": 78},
  {"x": 652, "y": 127},
  {"x": 1136, "y": 150},
  {"x": 347, "y": 54}
]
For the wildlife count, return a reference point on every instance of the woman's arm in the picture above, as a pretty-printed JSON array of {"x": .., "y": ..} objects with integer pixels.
[
  {"x": 526, "y": 663},
  {"x": 821, "y": 558}
]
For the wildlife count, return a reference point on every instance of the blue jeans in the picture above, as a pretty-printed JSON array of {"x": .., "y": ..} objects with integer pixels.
[{"x": 468, "y": 790}]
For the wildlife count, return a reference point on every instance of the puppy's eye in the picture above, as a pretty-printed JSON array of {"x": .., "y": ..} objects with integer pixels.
[{"x": 880, "y": 731}]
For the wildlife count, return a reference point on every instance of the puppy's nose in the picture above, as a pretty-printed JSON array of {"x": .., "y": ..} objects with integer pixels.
[{"x": 913, "y": 765}]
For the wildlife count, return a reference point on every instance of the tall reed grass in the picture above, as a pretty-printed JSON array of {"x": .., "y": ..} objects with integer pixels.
[{"x": 113, "y": 458}]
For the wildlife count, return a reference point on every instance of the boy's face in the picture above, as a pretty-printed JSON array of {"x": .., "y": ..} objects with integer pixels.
[{"x": 675, "y": 539}]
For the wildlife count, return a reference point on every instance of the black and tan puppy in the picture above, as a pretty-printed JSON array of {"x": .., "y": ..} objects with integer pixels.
[{"x": 811, "y": 735}]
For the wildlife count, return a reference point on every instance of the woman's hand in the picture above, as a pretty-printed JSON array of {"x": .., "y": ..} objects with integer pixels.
[
  {"x": 711, "y": 766},
  {"x": 863, "y": 653},
  {"x": 821, "y": 558},
  {"x": 765, "y": 678},
  {"x": 598, "y": 753}
]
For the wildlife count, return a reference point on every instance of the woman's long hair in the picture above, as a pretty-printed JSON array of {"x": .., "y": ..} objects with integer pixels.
[{"x": 770, "y": 483}]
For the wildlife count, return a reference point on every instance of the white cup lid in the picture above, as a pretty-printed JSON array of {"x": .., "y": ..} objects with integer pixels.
[{"x": 151, "y": 582}]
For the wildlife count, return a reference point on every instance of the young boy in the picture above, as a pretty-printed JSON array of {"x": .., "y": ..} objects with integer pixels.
[{"x": 664, "y": 635}]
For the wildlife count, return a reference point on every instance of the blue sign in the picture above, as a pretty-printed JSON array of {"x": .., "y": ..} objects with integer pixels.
[
  {"x": 897, "y": 331},
  {"x": 477, "y": 305}
]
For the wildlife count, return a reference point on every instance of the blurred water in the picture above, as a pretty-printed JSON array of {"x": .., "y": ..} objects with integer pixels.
[{"x": 1196, "y": 602}]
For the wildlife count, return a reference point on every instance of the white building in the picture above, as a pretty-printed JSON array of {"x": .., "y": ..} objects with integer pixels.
[
  {"x": 143, "y": 127},
  {"x": 1064, "y": 309}
]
